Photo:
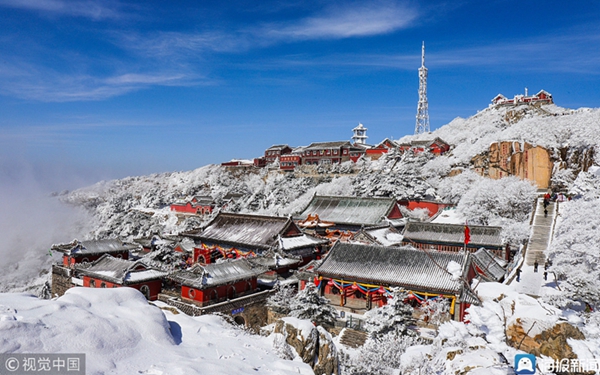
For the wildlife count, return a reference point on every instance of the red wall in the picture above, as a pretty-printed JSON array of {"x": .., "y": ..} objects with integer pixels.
[
  {"x": 184, "y": 208},
  {"x": 203, "y": 296},
  {"x": 433, "y": 207},
  {"x": 154, "y": 285}
]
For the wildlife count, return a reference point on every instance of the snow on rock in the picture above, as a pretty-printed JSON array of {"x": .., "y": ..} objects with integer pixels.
[
  {"x": 121, "y": 333},
  {"x": 304, "y": 326}
]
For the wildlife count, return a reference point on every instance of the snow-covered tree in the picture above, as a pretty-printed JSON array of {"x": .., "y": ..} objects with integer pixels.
[
  {"x": 282, "y": 299},
  {"x": 574, "y": 253},
  {"x": 378, "y": 356},
  {"x": 435, "y": 311},
  {"x": 492, "y": 202},
  {"x": 395, "y": 317},
  {"x": 308, "y": 304}
]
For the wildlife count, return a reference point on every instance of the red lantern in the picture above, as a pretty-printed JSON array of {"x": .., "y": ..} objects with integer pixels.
[
  {"x": 330, "y": 283},
  {"x": 354, "y": 286},
  {"x": 381, "y": 290}
]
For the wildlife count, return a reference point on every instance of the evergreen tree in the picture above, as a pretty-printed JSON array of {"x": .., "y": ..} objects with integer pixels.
[
  {"x": 308, "y": 304},
  {"x": 281, "y": 300},
  {"x": 394, "y": 318}
]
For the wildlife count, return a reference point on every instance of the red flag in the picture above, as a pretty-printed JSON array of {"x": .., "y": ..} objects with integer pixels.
[{"x": 467, "y": 235}]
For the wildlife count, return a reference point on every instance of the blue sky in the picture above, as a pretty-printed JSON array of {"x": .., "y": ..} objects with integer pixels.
[{"x": 94, "y": 89}]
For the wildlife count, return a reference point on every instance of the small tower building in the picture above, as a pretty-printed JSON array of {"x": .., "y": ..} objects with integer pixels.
[{"x": 360, "y": 134}]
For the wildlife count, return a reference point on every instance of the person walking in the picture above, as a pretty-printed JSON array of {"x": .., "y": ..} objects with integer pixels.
[
  {"x": 535, "y": 266},
  {"x": 518, "y": 274}
]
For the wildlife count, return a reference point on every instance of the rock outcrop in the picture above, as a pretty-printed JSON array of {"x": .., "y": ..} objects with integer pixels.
[
  {"x": 313, "y": 344},
  {"x": 551, "y": 342}
]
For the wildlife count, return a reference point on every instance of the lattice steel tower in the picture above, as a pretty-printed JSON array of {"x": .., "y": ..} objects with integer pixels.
[{"x": 422, "y": 125}]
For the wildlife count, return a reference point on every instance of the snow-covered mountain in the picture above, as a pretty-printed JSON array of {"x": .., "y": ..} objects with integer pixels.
[{"x": 138, "y": 206}]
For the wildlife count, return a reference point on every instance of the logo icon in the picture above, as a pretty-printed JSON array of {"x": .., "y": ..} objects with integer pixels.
[{"x": 524, "y": 364}]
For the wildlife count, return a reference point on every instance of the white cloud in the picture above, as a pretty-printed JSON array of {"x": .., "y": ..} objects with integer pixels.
[
  {"x": 365, "y": 20},
  {"x": 333, "y": 23},
  {"x": 79, "y": 8}
]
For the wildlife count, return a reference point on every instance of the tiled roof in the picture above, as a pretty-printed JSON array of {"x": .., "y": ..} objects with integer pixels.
[
  {"x": 349, "y": 210},
  {"x": 395, "y": 266},
  {"x": 120, "y": 271},
  {"x": 326, "y": 145},
  {"x": 245, "y": 230},
  {"x": 492, "y": 266},
  {"x": 95, "y": 247},
  {"x": 214, "y": 274},
  {"x": 452, "y": 233}
]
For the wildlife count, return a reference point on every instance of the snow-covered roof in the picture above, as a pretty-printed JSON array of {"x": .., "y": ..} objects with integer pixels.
[
  {"x": 395, "y": 266},
  {"x": 385, "y": 236},
  {"x": 493, "y": 267},
  {"x": 349, "y": 210},
  {"x": 120, "y": 271},
  {"x": 427, "y": 142},
  {"x": 326, "y": 145},
  {"x": 95, "y": 247},
  {"x": 245, "y": 230},
  {"x": 277, "y": 147},
  {"x": 300, "y": 241},
  {"x": 214, "y": 274},
  {"x": 481, "y": 235}
]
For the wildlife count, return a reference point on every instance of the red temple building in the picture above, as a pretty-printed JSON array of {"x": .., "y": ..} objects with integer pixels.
[
  {"x": 348, "y": 279},
  {"x": 233, "y": 236},
  {"x": 208, "y": 284},
  {"x": 274, "y": 153},
  {"x": 352, "y": 213},
  {"x": 198, "y": 205},
  {"x": 89, "y": 251},
  {"x": 111, "y": 272}
]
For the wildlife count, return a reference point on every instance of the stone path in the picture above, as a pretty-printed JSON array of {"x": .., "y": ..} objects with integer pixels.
[
  {"x": 353, "y": 338},
  {"x": 530, "y": 281},
  {"x": 540, "y": 236}
]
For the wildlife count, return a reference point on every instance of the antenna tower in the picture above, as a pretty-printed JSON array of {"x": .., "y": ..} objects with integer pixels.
[{"x": 422, "y": 125}]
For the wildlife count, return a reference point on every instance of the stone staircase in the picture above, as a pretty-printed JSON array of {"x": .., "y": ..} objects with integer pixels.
[
  {"x": 540, "y": 237},
  {"x": 353, "y": 338}
]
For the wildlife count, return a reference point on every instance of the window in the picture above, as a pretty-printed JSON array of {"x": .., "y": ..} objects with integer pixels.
[
  {"x": 103, "y": 285},
  {"x": 345, "y": 152},
  {"x": 231, "y": 292},
  {"x": 192, "y": 293},
  {"x": 145, "y": 289},
  {"x": 92, "y": 283},
  {"x": 335, "y": 152},
  {"x": 315, "y": 152}
]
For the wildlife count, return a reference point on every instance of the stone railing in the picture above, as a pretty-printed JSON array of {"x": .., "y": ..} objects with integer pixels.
[{"x": 226, "y": 307}]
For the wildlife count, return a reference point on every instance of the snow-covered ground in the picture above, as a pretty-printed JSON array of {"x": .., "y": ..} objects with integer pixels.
[{"x": 120, "y": 333}]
